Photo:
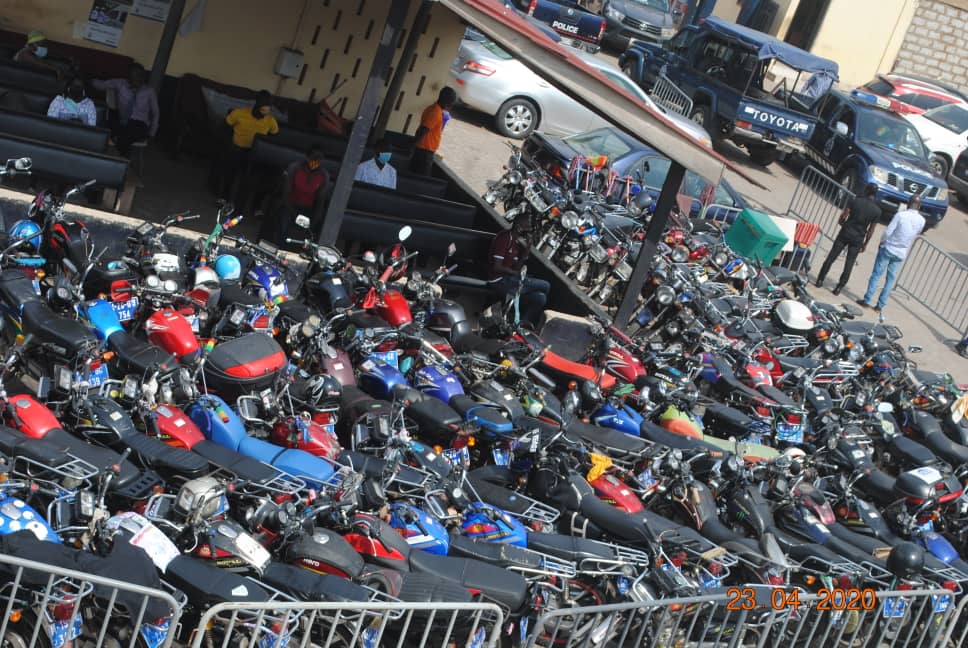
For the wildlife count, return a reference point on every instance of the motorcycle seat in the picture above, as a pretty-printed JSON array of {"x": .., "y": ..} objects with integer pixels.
[
  {"x": 372, "y": 466},
  {"x": 307, "y": 586},
  {"x": 952, "y": 452},
  {"x": 791, "y": 363},
  {"x": 930, "y": 377},
  {"x": 314, "y": 470},
  {"x": 234, "y": 294},
  {"x": 499, "y": 496},
  {"x": 16, "y": 288},
  {"x": 428, "y": 588},
  {"x": 570, "y": 547},
  {"x": 911, "y": 452},
  {"x": 777, "y": 395},
  {"x": 495, "y": 553},
  {"x": 15, "y": 443},
  {"x": 672, "y": 533},
  {"x": 863, "y": 328},
  {"x": 435, "y": 417},
  {"x": 470, "y": 342},
  {"x": 504, "y": 587},
  {"x": 618, "y": 443},
  {"x": 50, "y": 327},
  {"x": 661, "y": 436},
  {"x": 128, "y": 478},
  {"x": 619, "y": 524},
  {"x": 160, "y": 456},
  {"x": 243, "y": 467},
  {"x": 489, "y": 418},
  {"x": 802, "y": 550},
  {"x": 780, "y": 275},
  {"x": 295, "y": 309},
  {"x": 138, "y": 357},
  {"x": 879, "y": 485},
  {"x": 207, "y": 585}
]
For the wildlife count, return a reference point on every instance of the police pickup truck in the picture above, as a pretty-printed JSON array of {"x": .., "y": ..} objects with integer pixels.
[
  {"x": 569, "y": 19},
  {"x": 723, "y": 68},
  {"x": 858, "y": 140}
]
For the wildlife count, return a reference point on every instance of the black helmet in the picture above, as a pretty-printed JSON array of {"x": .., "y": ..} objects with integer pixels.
[
  {"x": 322, "y": 391},
  {"x": 906, "y": 560}
]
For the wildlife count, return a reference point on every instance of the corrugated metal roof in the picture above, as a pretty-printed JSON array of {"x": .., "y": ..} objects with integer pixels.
[{"x": 570, "y": 74}]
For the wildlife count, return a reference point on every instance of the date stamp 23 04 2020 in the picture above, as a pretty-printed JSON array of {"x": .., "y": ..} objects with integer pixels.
[{"x": 830, "y": 600}]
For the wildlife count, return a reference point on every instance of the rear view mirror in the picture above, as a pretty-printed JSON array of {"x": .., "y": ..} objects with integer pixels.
[
  {"x": 404, "y": 233},
  {"x": 302, "y": 221}
]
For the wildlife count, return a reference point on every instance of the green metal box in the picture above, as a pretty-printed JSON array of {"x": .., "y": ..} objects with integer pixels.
[{"x": 753, "y": 235}]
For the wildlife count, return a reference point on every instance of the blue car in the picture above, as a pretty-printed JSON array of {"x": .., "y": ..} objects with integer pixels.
[
  {"x": 631, "y": 158},
  {"x": 858, "y": 140}
]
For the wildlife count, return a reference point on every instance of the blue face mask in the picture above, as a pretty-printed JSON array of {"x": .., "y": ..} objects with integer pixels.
[
  {"x": 41, "y": 52},
  {"x": 384, "y": 158}
]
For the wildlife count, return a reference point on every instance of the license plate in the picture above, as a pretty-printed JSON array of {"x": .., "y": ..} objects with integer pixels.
[
  {"x": 708, "y": 581},
  {"x": 501, "y": 457},
  {"x": 97, "y": 377},
  {"x": 941, "y": 603},
  {"x": 646, "y": 479},
  {"x": 193, "y": 320},
  {"x": 126, "y": 310},
  {"x": 789, "y": 432},
  {"x": 927, "y": 526},
  {"x": 63, "y": 631},
  {"x": 894, "y": 608},
  {"x": 392, "y": 358}
]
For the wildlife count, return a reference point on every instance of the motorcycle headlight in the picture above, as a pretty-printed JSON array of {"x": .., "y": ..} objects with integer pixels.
[
  {"x": 570, "y": 220},
  {"x": 673, "y": 329},
  {"x": 680, "y": 254},
  {"x": 514, "y": 177},
  {"x": 832, "y": 345},
  {"x": 720, "y": 258},
  {"x": 665, "y": 295},
  {"x": 880, "y": 175},
  {"x": 130, "y": 387}
]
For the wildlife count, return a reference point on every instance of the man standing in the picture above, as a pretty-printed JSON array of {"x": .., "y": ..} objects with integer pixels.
[
  {"x": 378, "y": 170},
  {"x": 427, "y": 138},
  {"x": 510, "y": 250},
  {"x": 137, "y": 116},
  {"x": 856, "y": 228},
  {"x": 897, "y": 240}
]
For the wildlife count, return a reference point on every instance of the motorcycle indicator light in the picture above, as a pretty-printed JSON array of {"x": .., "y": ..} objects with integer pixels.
[
  {"x": 810, "y": 579},
  {"x": 15, "y": 616}
]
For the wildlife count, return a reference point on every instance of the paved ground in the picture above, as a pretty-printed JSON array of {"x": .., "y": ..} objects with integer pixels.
[{"x": 474, "y": 149}]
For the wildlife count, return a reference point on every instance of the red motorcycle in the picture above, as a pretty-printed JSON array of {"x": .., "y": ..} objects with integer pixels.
[{"x": 382, "y": 299}]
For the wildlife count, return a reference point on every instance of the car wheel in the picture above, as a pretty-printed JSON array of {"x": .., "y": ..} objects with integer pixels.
[
  {"x": 763, "y": 155},
  {"x": 517, "y": 118},
  {"x": 702, "y": 114},
  {"x": 940, "y": 165}
]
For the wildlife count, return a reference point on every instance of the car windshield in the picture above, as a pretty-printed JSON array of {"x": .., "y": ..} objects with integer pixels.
[
  {"x": 886, "y": 130},
  {"x": 603, "y": 141},
  {"x": 661, "y": 5},
  {"x": 953, "y": 117}
]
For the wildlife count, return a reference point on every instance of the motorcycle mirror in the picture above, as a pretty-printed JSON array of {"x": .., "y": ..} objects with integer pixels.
[
  {"x": 451, "y": 249},
  {"x": 302, "y": 221},
  {"x": 404, "y": 233},
  {"x": 63, "y": 378},
  {"x": 915, "y": 348},
  {"x": 23, "y": 164}
]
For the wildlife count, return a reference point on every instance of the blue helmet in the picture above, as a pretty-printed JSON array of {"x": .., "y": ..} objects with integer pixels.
[
  {"x": 228, "y": 268},
  {"x": 26, "y": 229}
]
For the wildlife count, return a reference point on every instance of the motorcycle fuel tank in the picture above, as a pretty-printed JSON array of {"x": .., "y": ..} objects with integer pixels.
[{"x": 170, "y": 330}]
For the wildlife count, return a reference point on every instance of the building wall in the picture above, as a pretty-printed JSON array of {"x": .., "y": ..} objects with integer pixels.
[
  {"x": 935, "y": 45},
  {"x": 727, "y": 9},
  {"x": 863, "y": 36},
  {"x": 240, "y": 40}
]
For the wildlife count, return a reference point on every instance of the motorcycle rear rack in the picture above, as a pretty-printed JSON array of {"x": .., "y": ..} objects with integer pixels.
[
  {"x": 74, "y": 470},
  {"x": 709, "y": 551},
  {"x": 789, "y": 342},
  {"x": 536, "y": 512},
  {"x": 282, "y": 483},
  {"x": 412, "y": 487},
  {"x": 624, "y": 556},
  {"x": 551, "y": 566},
  {"x": 837, "y": 372},
  {"x": 949, "y": 574}
]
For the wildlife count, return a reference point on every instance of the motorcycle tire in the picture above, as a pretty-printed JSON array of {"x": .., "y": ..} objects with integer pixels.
[{"x": 20, "y": 632}]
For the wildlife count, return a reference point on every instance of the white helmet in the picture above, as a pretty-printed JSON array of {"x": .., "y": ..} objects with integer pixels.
[
  {"x": 793, "y": 316},
  {"x": 205, "y": 277}
]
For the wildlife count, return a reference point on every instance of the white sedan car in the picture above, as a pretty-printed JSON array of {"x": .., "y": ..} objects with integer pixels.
[
  {"x": 492, "y": 81},
  {"x": 945, "y": 133}
]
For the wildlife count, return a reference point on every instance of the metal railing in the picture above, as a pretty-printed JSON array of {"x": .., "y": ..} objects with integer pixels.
[
  {"x": 760, "y": 616},
  {"x": 820, "y": 200},
  {"x": 668, "y": 95},
  {"x": 43, "y": 605},
  {"x": 344, "y": 625},
  {"x": 937, "y": 281}
]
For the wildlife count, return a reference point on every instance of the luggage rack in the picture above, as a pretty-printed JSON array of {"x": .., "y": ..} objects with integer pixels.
[
  {"x": 536, "y": 511},
  {"x": 76, "y": 470}
]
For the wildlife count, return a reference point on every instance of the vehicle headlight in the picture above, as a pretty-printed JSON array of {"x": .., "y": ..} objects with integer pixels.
[
  {"x": 673, "y": 329},
  {"x": 665, "y": 295},
  {"x": 613, "y": 13},
  {"x": 514, "y": 177},
  {"x": 832, "y": 345},
  {"x": 720, "y": 259},
  {"x": 680, "y": 254},
  {"x": 879, "y": 174},
  {"x": 570, "y": 220},
  {"x": 668, "y": 32}
]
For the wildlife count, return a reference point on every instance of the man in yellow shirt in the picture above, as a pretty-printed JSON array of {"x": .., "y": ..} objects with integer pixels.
[
  {"x": 246, "y": 123},
  {"x": 427, "y": 138}
]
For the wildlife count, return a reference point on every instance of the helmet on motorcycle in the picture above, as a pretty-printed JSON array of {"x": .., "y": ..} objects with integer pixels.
[
  {"x": 26, "y": 229},
  {"x": 906, "y": 560},
  {"x": 394, "y": 254},
  {"x": 322, "y": 391},
  {"x": 205, "y": 277},
  {"x": 228, "y": 268}
]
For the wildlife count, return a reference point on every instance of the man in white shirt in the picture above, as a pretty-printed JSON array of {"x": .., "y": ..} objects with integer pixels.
[
  {"x": 906, "y": 225},
  {"x": 377, "y": 170}
]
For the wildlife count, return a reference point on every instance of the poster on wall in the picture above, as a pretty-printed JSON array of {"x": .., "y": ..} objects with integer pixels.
[
  {"x": 151, "y": 9},
  {"x": 106, "y": 21}
]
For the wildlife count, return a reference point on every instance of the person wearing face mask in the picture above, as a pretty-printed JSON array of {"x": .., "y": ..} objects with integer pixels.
[
  {"x": 246, "y": 123},
  {"x": 73, "y": 105},
  {"x": 305, "y": 185},
  {"x": 35, "y": 51},
  {"x": 137, "y": 116},
  {"x": 377, "y": 170}
]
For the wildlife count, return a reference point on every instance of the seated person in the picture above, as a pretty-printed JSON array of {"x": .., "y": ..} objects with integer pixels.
[
  {"x": 245, "y": 123},
  {"x": 35, "y": 51},
  {"x": 509, "y": 252},
  {"x": 304, "y": 189},
  {"x": 137, "y": 115},
  {"x": 73, "y": 105},
  {"x": 330, "y": 122},
  {"x": 377, "y": 170}
]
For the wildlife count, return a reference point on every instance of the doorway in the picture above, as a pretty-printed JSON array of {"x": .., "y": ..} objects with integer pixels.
[{"x": 806, "y": 23}]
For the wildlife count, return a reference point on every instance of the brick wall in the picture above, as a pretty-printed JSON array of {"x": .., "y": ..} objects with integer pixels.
[{"x": 936, "y": 44}]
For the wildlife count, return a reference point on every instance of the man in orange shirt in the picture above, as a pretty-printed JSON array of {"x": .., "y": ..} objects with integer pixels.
[{"x": 427, "y": 138}]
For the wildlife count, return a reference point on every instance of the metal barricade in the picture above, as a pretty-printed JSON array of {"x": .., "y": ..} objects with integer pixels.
[
  {"x": 720, "y": 213},
  {"x": 346, "y": 625},
  {"x": 668, "y": 95},
  {"x": 760, "y": 616},
  {"x": 817, "y": 199},
  {"x": 937, "y": 281},
  {"x": 43, "y": 605}
]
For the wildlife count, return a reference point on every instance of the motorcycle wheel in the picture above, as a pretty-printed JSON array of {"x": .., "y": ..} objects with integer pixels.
[
  {"x": 19, "y": 633},
  {"x": 580, "y": 594}
]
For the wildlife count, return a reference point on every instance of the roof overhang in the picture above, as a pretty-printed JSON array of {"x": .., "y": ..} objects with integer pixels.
[{"x": 570, "y": 74}]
